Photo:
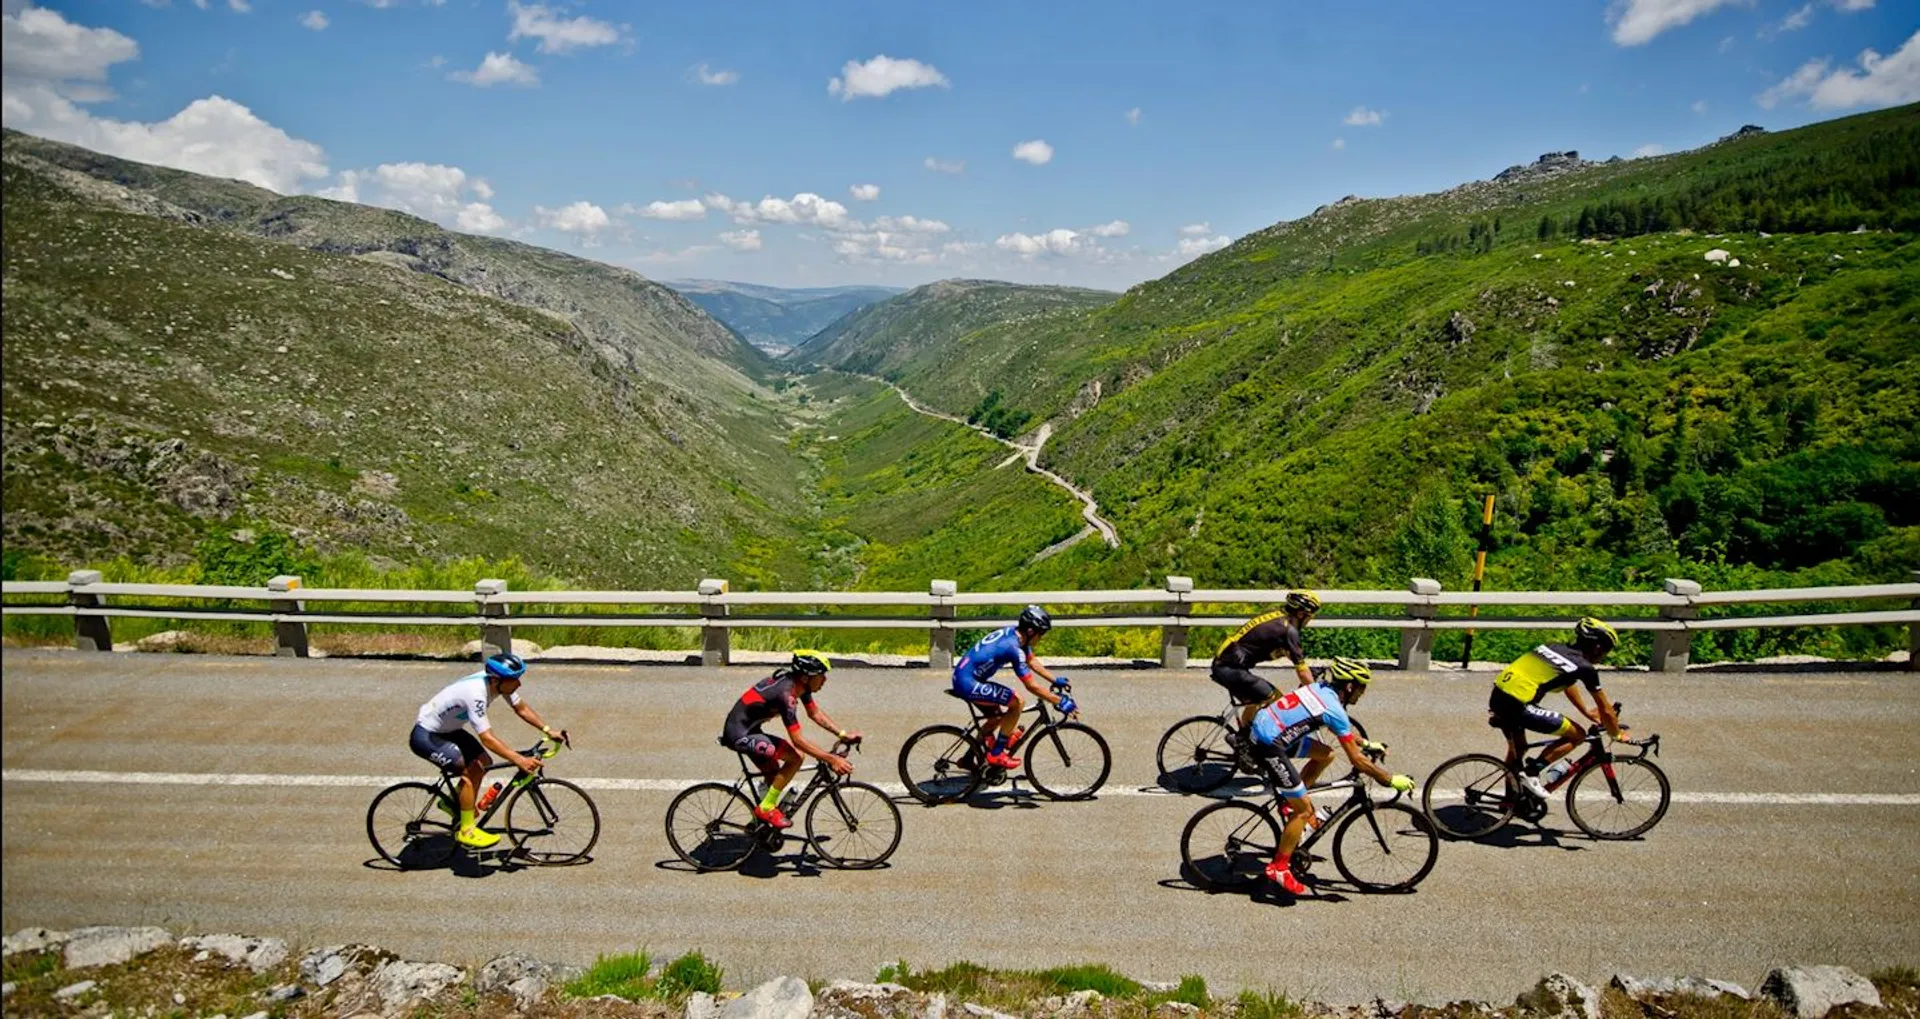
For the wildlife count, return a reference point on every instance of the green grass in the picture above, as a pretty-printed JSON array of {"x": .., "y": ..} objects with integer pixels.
[
  {"x": 1266, "y": 1004},
  {"x": 687, "y": 974},
  {"x": 1021, "y": 988},
  {"x": 627, "y": 975}
]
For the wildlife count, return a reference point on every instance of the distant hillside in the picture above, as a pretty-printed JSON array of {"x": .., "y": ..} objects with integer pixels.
[
  {"x": 186, "y": 355},
  {"x": 775, "y": 319},
  {"x": 929, "y": 325}
]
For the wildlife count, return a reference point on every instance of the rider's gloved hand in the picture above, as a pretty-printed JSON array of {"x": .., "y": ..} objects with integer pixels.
[
  {"x": 1068, "y": 706},
  {"x": 1402, "y": 783}
]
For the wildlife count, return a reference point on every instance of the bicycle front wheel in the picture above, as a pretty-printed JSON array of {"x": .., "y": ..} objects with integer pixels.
[
  {"x": 409, "y": 828},
  {"x": 1619, "y": 799},
  {"x": 1470, "y": 796},
  {"x": 1388, "y": 847},
  {"x": 553, "y": 822},
  {"x": 853, "y": 825},
  {"x": 1228, "y": 845},
  {"x": 1195, "y": 757},
  {"x": 940, "y": 764},
  {"x": 1068, "y": 761},
  {"x": 710, "y": 826}
]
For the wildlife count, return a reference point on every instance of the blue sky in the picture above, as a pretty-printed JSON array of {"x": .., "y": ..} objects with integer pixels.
[{"x": 1092, "y": 143}]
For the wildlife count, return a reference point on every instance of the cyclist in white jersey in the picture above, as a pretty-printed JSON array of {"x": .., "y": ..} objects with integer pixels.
[{"x": 441, "y": 734}]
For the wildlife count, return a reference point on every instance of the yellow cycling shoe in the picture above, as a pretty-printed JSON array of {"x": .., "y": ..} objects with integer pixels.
[{"x": 476, "y": 838}]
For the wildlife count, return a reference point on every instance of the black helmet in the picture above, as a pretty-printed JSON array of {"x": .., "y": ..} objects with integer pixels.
[
  {"x": 1303, "y": 601},
  {"x": 1595, "y": 633},
  {"x": 506, "y": 665},
  {"x": 1035, "y": 618}
]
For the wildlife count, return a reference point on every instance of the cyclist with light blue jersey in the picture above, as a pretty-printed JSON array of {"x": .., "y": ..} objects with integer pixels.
[
  {"x": 1281, "y": 731},
  {"x": 973, "y": 673}
]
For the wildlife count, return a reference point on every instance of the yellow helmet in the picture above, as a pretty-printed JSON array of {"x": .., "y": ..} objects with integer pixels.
[
  {"x": 1592, "y": 632},
  {"x": 1303, "y": 601},
  {"x": 807, "y": 660},
  {"x": 1349, "y": 670}
]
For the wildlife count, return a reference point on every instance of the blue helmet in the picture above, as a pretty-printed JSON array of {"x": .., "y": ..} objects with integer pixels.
[{"x": 506, "y": 666}]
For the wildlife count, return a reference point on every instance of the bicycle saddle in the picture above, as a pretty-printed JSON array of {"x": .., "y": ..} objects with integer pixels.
[{"x": 955, "y": 694}]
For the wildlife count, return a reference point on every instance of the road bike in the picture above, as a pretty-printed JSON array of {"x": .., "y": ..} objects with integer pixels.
[
  {"x": 1065, "y": 760},
  {"x": 849, "y": 825},
  {"x": 1200, "y": 754},
  {"x": 1378, "y": 845},
  {"x": 1610, "y": 795},
  {"x": 549, "y": 821}
]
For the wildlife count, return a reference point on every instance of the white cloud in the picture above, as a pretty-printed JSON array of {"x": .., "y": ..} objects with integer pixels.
[
  {"x": 1194, "y": 247},
  {"x": 432, "y": 191},
  {"x": 558, "y": 34},
  {"x": 1116, "y": 228},
  {"x": 38, "y": 45},
  {"x": 945, "y": 165},
  {"x": 910, "y": 224},
  {"x": 804, "y": 208},
  {"x": 1850, "y": 6},
  {"x": 882, "y": 76},
  {"x": 1338, "y": 144},
  {"x": 239, "y": 6},
  {"x": 678, "y": 211},
  {"x": 1360, "y": 116},
  {"x": 1058, "y": 241},
  {"x": 1881, "y": 81},
  {"x": 1650, "y": 149},
  {"x": 1133, "y": 116},
  {"x": 1798, "y": 19},
  {"x": 1700, "y": 106},
  {"x": 1636, "y": 22},
  {"x": 498, "y": 69},
  {"x": 1196, "y": 229},
  {"x": 865, "y": 192},
  {"x": 708, "y": 76},
  {"x": 742, "y": 240},
  {"x": 1037, "y": 152},
  {"x": 315, "y": 20},
  {"x": 583, "y": 219},
  {"x": 883, "y": 245}
]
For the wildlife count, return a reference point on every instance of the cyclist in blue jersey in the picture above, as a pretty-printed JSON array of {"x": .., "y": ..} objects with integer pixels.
[
  {"x": 972, "y": 679},
  {"x": 1281, "y": 732}
]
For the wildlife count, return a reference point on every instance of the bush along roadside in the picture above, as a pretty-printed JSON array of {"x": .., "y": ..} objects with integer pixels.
[{"x": 147, "y": 971}]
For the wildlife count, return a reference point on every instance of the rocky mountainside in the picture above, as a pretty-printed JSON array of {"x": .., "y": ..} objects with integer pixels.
[
  {"x": 186, "y": 354},
  {"x": 775, "y": 319}
]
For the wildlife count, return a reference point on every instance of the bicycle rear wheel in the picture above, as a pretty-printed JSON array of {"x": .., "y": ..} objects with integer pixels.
[
  {"x": 1195, "y": 757},
  {"x": 711, "y": 826},
  {"x": 408, "y": 827},
  {"x": 1470, "y": 796},
  {"x": 1068, "y": 761},
  {"x": 940, "y": 764},
  {"x": 853, "y": 825},
  {"x": 553, "y": 822},
  {"x": 1620, "y": 799},
  {"x": 1388, "y": 847},
  {"x": 1228, "y": 845}
]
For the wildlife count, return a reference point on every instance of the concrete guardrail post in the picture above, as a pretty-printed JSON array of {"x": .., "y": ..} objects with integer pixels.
[
  {"x": 940, "y": 638},
  {"x": 716, "y": 646},
  {"x": 1673, "y": 649},
  {"x": 289, "y": 635},
  {"x": 495, "y": 637},
  {"x": 1416, "y": 641},
  {"x": 1173, "y": 637},
  {"x": 1913, "y": 635},
  {"x": 90, "y": 633}
]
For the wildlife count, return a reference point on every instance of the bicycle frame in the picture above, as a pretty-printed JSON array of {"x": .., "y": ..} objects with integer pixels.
[
  {"x": 449, "y": 784},
  {"x": 821, "y": 776},
  {"x": 1600, "y": 754}
]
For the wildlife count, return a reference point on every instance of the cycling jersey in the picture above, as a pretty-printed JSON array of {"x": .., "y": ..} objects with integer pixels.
[
  {"x": 778, "y": 694},
  {"x": 1545, "y": 669},
  {"x": 1261, "y": 638},
  {"x": 462, "y": 702},
  {"x": 1300, "y": 711},
  {"x": 1001, "y": 647}
]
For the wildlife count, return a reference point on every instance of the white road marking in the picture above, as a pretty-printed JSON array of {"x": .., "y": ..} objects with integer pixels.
[{"x": 669, "y": 785}]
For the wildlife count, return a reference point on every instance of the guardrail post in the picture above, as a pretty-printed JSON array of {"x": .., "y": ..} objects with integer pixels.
[
  {"x": 289, "y": 635},
  {"x": 1672, "y": 649},
  {"x": 90, "y": 633},
  {"x": 716, "y": 646},
  {"x": 940, "y": 638},
  {"x": 495, "y": 637},
  {"x": 1173, "y": 637},
  {"x": 1416, "y": 641},
  {"x": 1913, "y": 635}
]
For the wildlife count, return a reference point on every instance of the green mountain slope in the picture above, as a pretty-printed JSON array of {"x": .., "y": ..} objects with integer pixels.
[
  {"x": 775, "y": 319},
  {"x": 357, "y": 379}
]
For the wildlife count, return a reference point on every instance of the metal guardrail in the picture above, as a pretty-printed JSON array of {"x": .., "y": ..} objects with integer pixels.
[{"x": 491, "y": 608}]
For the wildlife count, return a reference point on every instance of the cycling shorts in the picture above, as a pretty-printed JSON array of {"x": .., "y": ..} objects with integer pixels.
[
  {"x": 1244, "y": 685},
  {"x": 1286, "y": 778},
  {"x": 765, "y": 751},
  {"x": 1512, "y": 715},
  {"x": 449, "y": 751},
  {"x": 982, "y": 691}
]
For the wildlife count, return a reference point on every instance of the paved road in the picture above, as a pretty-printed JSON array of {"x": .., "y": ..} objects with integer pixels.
[{"x": 1743, "y": 873}]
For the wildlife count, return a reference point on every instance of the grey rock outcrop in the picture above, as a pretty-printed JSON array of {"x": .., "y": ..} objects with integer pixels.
[
  {"x": 701, "y": 1005},
  {"x": 323, "y": 966},
  {"x": 1809, "y": 992},
  {"x": 399, "y": 983},
  {"x": 1559, "y": 996},
  {"x": 1645, "y": 990},
  {"x": 779, "y": 998},
  {"x": 109, "y": 946},
  {"x": 72, "y": 991},
  {"x": 525, "y": 979},
  {"x": 257, "y": 954},
  {"x": 32, "y": 939}
]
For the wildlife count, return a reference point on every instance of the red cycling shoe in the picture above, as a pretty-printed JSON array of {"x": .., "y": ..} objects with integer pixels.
[
  {"x": 772, "y": 816},
  {"x": 1003, "y": 759},
  {"x": 1282, "y": 874}
]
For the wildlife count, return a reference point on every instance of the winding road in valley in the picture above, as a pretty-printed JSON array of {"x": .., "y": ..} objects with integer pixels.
[{"x": 216, "y": 794}]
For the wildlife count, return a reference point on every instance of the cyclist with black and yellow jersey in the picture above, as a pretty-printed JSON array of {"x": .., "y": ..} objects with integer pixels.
[
  {"x": 1515, "y": 701},
  {"x": 1263, "y": 637}
]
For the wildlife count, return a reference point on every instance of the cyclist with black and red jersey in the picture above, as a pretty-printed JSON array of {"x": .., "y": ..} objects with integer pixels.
[
  {"x": 1515, "y": 700},
  {"x": 781, "y": 694},
  {"x": 1265, "y": 636}
]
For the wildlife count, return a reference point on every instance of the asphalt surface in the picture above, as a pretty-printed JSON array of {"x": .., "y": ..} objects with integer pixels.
[{"x": 1743, "y": 874}]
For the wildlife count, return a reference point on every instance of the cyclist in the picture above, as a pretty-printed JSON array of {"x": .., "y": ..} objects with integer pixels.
[
  {"x": 778, "y": 759},
  {"x": 972, "y": 680},
  {"x": 1280, "y": 732},
  {"x": 1514, "y": 703},
  {"x": 1260, "y": 638},
  {"x": 441, "y": 734}
]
